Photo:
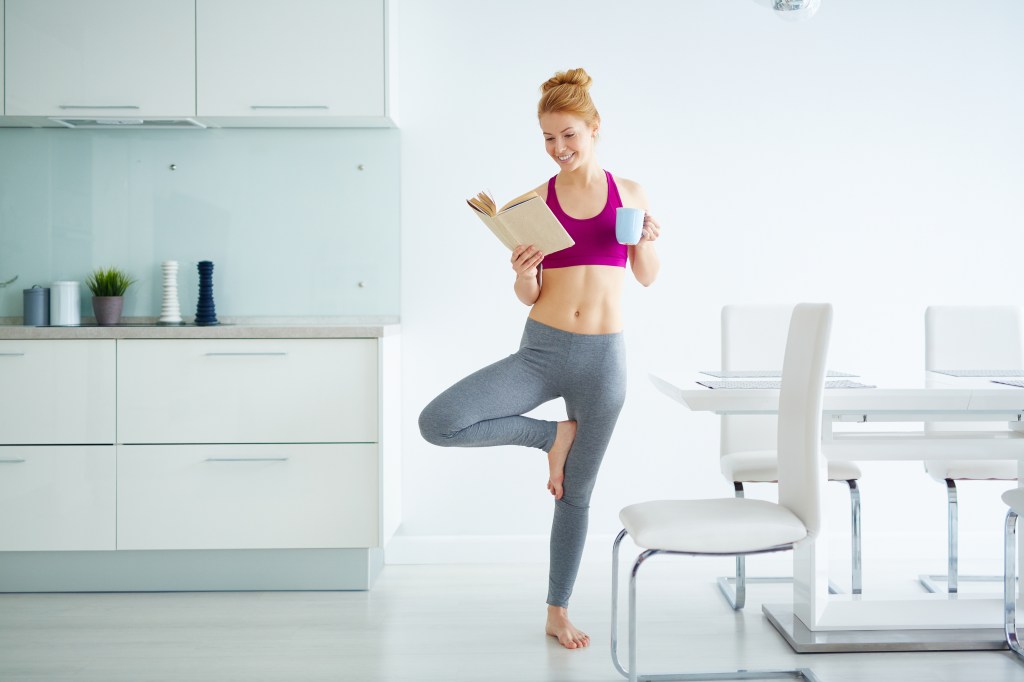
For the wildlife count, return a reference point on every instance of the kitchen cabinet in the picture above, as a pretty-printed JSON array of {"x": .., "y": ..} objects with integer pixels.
[
  {"x": 1, "y": 56},
  {"x": 57, "y": 392},
  {"x": 292, "y": 62},
  {"x": 190, "y": 63},
  {"x": 247, "y": 391},
  {"x": 57, "y": 433},
  {"x": 172, "y": 458},
  {"x": 57, "y": 498},
  {"x": 117, "y": 59},
  {"x": 247, "y": 496}
]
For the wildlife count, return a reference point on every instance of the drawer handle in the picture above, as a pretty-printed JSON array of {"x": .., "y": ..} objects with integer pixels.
[
  {"x": 11, "y": 461},
  {"x": 254, "y": 353},
  {"x": 98, "y": 106},
  {"x": 247, "y": 459},
  {"x": 289, "y": 106},
  {"x": 11, "y": 355}
]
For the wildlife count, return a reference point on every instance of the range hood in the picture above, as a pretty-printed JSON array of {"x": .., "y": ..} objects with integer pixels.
[{"x": 108, "y": 122}]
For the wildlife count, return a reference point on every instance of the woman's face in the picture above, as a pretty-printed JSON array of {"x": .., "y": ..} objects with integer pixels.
[{"x": 567, "y": 139}]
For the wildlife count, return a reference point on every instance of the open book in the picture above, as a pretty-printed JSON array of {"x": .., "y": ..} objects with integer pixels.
[{"x": 524, "y": 220}]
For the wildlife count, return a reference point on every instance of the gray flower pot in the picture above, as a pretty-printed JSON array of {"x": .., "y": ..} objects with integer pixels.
[{"x": 108, "y": 309}]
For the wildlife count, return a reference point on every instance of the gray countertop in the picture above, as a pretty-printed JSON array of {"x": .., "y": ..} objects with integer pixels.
[{"x": 367, "y": 326}]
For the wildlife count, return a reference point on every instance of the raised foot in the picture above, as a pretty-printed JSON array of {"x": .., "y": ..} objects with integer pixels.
[
  {"x": 559, "y": 627},
  {"x": 559, "y": 452}
]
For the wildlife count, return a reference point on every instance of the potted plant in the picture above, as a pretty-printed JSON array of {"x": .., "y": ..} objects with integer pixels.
[{"x": 108, "y": 286}]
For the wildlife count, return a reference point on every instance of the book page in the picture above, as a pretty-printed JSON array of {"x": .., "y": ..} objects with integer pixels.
[
  {"x": 532, "y": 222},
  {"x": 519, "y": 200},
  {"x": 483, "y": 203}
]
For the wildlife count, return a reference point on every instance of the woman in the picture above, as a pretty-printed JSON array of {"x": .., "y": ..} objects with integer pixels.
[{"x": 572, "y": 346}]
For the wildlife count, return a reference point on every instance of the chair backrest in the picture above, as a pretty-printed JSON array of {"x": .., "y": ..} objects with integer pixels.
[
  {"x": 800, "y": 412},
  {"x": 753, "y": 337},
  {"x": 972, "y": 337}
]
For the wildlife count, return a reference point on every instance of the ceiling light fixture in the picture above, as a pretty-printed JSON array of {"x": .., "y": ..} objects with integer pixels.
[
  {"x": 795, "y": 10},
  {"x": 792, "y": 10}
]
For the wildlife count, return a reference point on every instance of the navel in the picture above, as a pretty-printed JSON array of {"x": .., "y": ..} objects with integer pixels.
[{"x": 577, "y": 313}]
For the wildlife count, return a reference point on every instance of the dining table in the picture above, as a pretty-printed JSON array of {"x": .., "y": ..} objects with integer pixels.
[{"x": 983, "y": 413}]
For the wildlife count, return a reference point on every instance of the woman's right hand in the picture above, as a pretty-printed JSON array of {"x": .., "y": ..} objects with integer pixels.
[{"x": 525, "y": 259}]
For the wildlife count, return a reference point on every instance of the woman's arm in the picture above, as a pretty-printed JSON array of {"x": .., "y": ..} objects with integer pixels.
[
  {"x": 526, "y": 262},
  {"x": 643, "y": 258}
]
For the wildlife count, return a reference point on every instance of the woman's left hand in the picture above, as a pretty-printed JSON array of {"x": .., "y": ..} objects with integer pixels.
[{"x": 651, "y": 229}]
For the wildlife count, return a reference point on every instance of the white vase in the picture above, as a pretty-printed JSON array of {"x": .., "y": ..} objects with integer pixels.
[{"x": 171, "y": 311}]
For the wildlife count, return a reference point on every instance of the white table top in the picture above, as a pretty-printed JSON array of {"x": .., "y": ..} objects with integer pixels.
[
  {"x": 934, "y": 394},
  {"x": 933, "y": 398}
]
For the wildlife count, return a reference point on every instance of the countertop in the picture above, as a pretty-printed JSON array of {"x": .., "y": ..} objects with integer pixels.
[{"x": 368, "y": 326}]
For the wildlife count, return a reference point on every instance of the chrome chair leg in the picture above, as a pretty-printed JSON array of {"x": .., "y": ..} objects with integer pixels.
[
  {"x": 953, "y": 577},
  {"x": 954, "y": 538},
  {"x": 737, "y": 598},
  {"x": 856, "y": 577},
  {"x": 734, "y": 589},
  {"x": 615, "y": 603},
  {"x": 1010, "y": 583},
  {"x": 631, "y": 673}
]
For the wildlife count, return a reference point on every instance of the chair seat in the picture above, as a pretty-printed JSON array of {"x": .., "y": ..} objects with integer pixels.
[
  {"x": 971, "y": 469},
  {"x": 762, "y": 466},
  {"x": 1014, "y": 499},
  {"x": 716, "y": 526}
]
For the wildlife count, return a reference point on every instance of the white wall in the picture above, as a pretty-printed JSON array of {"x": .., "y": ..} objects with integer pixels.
[{"x": 870, "y": 157}]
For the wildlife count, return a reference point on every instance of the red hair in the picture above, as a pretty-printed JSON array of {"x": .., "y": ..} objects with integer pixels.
[{"x": 568, "y": 92}]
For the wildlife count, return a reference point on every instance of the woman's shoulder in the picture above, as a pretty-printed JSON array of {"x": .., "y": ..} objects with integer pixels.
[
  {"x": 626, "y": 184},
  {"x": 630, "y": 191}
]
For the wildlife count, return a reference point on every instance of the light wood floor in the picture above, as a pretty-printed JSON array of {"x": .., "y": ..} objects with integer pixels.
[{"x": 426, "y": 624}]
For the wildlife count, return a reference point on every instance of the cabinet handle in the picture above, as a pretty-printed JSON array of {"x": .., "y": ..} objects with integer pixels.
[
  {"x": 289, "y": 106},
  {"x": 98, "y": 106},
  {"x": 247, "y": 459},
  {"x": 11, "y": 355},
  {"x": 278, "y": 353},
  {"x": 11, "y": 461}
]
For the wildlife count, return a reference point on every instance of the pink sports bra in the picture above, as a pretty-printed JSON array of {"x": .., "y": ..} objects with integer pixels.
[{"x": 594, "y": 237}]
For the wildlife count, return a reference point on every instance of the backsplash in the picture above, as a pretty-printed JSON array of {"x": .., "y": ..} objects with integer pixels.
[{"x": 297, "y": 221}]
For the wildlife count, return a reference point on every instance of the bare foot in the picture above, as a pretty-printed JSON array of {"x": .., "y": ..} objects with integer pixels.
[
  {"x": 559, "y": 452},
  {"x": 559, "y": 627}
]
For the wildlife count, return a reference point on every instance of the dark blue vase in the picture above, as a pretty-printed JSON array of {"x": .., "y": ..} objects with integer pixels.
[{"x": 206, "y": 313}]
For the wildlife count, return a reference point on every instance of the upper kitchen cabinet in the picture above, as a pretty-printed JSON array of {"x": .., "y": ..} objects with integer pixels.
[
  {"x": 293, "y": 63},
  {"x": 1, "y": 55},
  {"x": 118, "y": 60}
]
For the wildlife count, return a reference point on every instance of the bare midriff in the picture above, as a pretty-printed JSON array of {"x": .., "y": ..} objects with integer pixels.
[{"x": 583, "y": 299}]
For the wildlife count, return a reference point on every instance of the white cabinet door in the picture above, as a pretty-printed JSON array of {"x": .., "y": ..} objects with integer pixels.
[
  {"x": 57, "y": 498},
  {"x": 247, "y": 496},
  {"x": 100, "y": 58},
  {"x": 247, "y": 391},
  {"x": 57, "y": 391},
  {"x": 292, "y": 59},
  {"x": 1, "y": 55}
]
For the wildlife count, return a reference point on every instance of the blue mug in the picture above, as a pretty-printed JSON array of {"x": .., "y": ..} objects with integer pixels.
[{"x": 629, "y": 225}]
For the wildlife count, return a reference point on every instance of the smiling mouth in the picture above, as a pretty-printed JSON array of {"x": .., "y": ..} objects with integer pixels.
[{"x": 567, "y": 158}]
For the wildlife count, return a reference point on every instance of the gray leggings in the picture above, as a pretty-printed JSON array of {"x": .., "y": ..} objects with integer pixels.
[{"x": 485, "y": 408}]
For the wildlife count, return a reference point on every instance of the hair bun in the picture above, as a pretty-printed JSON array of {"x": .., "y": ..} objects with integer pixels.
[{"x": 578, "y": 77}]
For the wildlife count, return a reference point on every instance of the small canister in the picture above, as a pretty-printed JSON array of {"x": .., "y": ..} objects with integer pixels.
[
  {"x": 65, "y": 306},
  {"x": 36, "y": 306}
]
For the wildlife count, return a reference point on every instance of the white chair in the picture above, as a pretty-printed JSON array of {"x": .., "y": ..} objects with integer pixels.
[
  {"x": 969, "y": 338},
  {"x": 1015, "y": 500},
  {"x": 740, "y": 526},
  {"x": 754, "y": 338}
]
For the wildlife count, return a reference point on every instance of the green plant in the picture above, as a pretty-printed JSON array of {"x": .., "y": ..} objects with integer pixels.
[{"x": 108, "y": 282}]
